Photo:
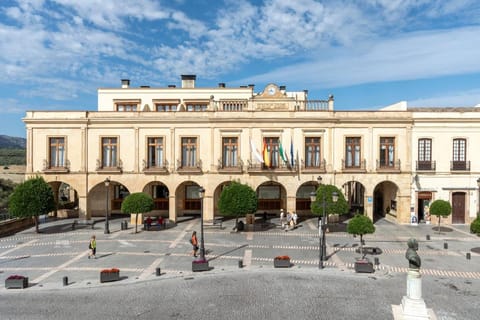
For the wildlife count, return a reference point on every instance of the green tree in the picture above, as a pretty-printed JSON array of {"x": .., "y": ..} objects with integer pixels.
[
  {"x": 237, "y": 199},
  {"x": 440, "y": 208},
  {"x": 475, "y": 226},
  {"x": 339, "y": 207},
  {"x": 138, "y": 202},
  {"x": 360, "y": 225},
  {"x": 32, "y": 198}
]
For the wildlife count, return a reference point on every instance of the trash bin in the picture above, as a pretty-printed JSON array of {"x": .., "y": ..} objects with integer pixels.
[
  {"x": 240, "y": 226},
  {"x": 125, "y": 225}
]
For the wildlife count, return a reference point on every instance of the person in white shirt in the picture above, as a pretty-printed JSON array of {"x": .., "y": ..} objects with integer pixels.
[{"x": 282, "y": 218}]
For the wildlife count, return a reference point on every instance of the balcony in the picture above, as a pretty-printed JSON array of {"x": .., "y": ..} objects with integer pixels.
[
  {"x": 47, "y": 168},
  {"x": 155, "y": 168},
  {"x": 426, "y": 166},
  {"x": 222, "y": 168},
  {"x": 320, "y": 168},
  {"x": 388, "y": 167},
  {"x": 459, "y": 165},
  {"x": 361, "y": 167},
  {"x": 113, "y": 168},
  {"x": 189, "y": 169},
  {"x": 261, "y": 168}
]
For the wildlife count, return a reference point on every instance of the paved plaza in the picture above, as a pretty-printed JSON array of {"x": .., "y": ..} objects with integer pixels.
[{"x": 451, "y": 285}]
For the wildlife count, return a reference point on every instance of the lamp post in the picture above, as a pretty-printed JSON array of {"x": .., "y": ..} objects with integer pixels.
[
  {"x": 201, "y": 194},
  {"x": 478, "y": 184},
  {"x": 322, "y": 227},
  {"x": 107, "y": 184}
]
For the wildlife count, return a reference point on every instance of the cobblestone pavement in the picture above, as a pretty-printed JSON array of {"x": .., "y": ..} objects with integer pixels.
[{"x": 60, "y": 252}]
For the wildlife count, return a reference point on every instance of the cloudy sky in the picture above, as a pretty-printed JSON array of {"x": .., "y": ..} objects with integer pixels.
[{"x": 367, "y": 53}]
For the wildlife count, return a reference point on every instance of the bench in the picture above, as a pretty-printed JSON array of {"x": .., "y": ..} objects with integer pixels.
[{"x": 214, "y": 222}]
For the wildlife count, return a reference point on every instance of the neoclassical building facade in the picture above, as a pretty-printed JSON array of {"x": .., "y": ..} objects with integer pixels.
[{"x": 169, "y": 142}]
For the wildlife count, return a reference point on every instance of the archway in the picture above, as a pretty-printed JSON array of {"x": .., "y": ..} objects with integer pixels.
[
  {"x": 302, "y": 198},
  {"x": 354, "y": 192},
  {"x": 187, "y": 199},
  {"x": 66, "y": 199},
  {"x": 109, "y": 199},
  {"x": 160, "y": 195},
  {"x": 271, "y": 197},
  {"x": 385, "y": 200}
]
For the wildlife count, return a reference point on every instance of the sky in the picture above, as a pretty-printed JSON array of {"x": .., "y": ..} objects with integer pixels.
[{"x": 55, "y": 54}]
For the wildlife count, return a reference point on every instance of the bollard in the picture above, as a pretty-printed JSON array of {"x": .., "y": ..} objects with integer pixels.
[
  {"x": 126, "y": 224},
  {"x": 240, "y": 263},
  {"x": 157, "y": 272},
  {"x": 428, "y": 237},
  {"x": 445, "y": 245},
  {"x": 468, "y": 256},
  {"x": 65, "y": 281},
  {"x": 377, "y": 261},
  {"x": 121, "y": 226}
]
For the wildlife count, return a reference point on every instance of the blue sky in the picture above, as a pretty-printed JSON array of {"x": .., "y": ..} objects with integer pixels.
[{"x": 367, "y": 53}]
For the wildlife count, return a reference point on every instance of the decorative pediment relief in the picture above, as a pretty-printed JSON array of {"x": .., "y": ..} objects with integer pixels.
[{"x": 271, "y": 91}]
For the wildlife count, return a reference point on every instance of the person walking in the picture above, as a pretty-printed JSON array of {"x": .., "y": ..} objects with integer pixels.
[
  {"x": 282, "y": 218},
  {"x": 194, "y": 242},
  {"x": 295, "y": 218},
  {"x": 93, "y": 248}
]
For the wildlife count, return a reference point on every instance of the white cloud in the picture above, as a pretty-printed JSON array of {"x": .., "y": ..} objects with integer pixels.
[{"x": 468, "y": 98}]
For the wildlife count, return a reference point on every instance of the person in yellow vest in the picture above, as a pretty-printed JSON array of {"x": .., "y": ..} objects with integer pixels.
[{"x": 93, "y": 248}]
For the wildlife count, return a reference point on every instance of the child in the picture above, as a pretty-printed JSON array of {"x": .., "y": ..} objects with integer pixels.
[{"x": 93, "y": 248}]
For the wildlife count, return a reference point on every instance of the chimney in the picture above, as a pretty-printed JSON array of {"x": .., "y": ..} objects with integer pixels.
[
  {"x": 144, "y": 87},
  {"x": 252, "y": 86},
  {"x": 221, "y": 84},
  {"x": 125, "y": 83},
  {"x": 283, "y": 89},
  {"x": 188, "y": 81}
]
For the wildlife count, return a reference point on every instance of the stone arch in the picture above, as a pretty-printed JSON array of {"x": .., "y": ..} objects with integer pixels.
[
  {"x": 354, "y": 192},
  {"x": 102, "y": 199},
  {"x": 160, "y": 194},
  {"x": 187, "y": 200},
  {"x": 385, "y": 197},
  {"x": 302, "y": 197},
  {"x": 66, "y": 199},
  {"x": 272, "y": 197},
  {"x": 216, "y": 196}
]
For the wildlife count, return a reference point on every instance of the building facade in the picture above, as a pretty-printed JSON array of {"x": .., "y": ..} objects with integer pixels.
[{"x": 169, "y": 142}]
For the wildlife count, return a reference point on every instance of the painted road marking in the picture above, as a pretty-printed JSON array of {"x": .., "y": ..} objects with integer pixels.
[
  {"x": 125, "y": 243},
  {"x": 181, "y": 235},
  {"x": 60, "y": 267},
  {"x": 26, "y": 244},
  {"x": 149, "y": 270},
  {"x": 247, "y": 258}
]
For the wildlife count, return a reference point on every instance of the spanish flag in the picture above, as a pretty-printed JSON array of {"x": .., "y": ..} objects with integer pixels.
[{"x": 266, "y": 155}]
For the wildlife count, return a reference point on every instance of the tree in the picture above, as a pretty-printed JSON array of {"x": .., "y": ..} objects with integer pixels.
[
  {"x": 6, "y": 189},
  {"x": 32, "y": 198},
  {"x": 138, "y": 202},
  {"x": 237, "y": 199},
  {"x": 440, "y": 208},
  {"x": 475, "y": 226},
  {"x": 339, "y": 207},
  {"x": 360, "y": 225}
]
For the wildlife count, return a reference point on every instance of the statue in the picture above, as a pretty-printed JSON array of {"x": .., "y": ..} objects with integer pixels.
[{"x": 411, "y": 254}]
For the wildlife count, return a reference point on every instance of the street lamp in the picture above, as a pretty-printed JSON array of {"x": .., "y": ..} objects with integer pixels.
[
  {"x": 322, "y": 227},
  {"x": 107, "y": 184},
  {"x": 201, "y": 195}
]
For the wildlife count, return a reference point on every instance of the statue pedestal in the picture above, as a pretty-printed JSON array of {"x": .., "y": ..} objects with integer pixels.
[{"x": 413, "y": 307}]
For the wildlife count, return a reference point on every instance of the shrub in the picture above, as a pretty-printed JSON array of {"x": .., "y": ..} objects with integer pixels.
[{"x": 475, "y": 226}]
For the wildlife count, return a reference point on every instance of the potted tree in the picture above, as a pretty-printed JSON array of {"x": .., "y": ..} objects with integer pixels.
[
  {"x": 440, "y": 208},
  {"x": 138, "y": 202},
  {"x": 236, "y": 200},
  {"x": 361, "y": 225}
]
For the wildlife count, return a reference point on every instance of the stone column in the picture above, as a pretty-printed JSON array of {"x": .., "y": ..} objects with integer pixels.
[{"x": 413, "y": 306}]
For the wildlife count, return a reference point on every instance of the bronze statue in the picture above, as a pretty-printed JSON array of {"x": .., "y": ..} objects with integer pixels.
[{"x": 411, "y": 254}]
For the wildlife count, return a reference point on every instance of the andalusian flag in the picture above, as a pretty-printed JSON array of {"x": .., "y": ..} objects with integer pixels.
[
  {"x": 283, "y": 154},
  {"x": 266, "y": 155},
  {"x": 291, "y": 153}
]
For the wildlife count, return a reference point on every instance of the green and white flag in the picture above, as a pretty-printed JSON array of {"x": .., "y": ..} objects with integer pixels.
[{"x": 283, "y": 154}]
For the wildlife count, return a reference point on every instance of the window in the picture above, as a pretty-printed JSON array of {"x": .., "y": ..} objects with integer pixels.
[
  {"x": 229, "y": 152},
  {"x": 459, "y": 150},
  {"x": 57, "y": 152},
  {"x": 189, "y": 152},
  {"x": 312, "y": 152},
  {"x": 425, "y": 150},
  {"x": 170, "y": 107},
  {"x": 127, "y": 106},
  {"x": 387, "y": 152},
  {"x": 109, "y": 152},
  {"x": 352, "y": 152},
  {"x": 272, "y": 154},
  {"x": 196, "y": 106},
  {"x": 155, "y": 152}
]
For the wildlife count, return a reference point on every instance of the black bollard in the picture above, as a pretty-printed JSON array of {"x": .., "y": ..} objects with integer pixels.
[
  {"x": 65, "y": 281},
  {"x": 157, "y": 272},
  {"x": 240, "y": 263},
  {"x": 445, "y": 245},
  {"x": 377, "y": 261},
  {"x": 468, "y": 256},
  {"x": 428, "y": 237}
]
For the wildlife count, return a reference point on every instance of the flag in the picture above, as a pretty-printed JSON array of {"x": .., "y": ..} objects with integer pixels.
[
  {"x": 266, "y": 155},
  {"x": 255, "y": 151},
  {"x": 291, "y": 153},
  {"x": 283, "y": 154}
]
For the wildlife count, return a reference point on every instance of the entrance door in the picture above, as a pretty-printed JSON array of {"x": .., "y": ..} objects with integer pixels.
[{"x": 458, "y": 208}]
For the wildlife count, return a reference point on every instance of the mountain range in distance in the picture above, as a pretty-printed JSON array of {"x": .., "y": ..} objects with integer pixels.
[{"x": 8, "y": 142}]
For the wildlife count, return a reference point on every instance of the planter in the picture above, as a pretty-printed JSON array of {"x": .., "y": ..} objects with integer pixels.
[
  {"x": 18, "y": 283},
  {"x": 109, "y": 276},
  {"x": 281, "y": 263},
  {"x": 363, "y": 266},
  {"x": 200, "y": 266}
]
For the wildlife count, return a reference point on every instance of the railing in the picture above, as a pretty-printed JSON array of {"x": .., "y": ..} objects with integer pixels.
[
  {"x": 321, "y": 167},
  {"x": 311, "y": 105},
  {"x": 261, "y": 167},
  {"x": 459, "y": 165},
  {"x": 196, "y": 168},
  {"x": 221, "y": 167},
  {"x": 426, "y": 166},
  {"x": 361, "y": 167},
  {"x": 391, "y": 167},
  {"x": 116, "y": 167},
  {"x": 65, "y": 168},
  {"x": 233, "y": 105},
  {"x": 155, "y": 168}
]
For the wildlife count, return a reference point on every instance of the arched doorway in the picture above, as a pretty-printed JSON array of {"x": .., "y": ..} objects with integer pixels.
[
  {"x": 354, "y": 192},
  {"x": 109, "y": 198},
  {"x": 271, "y": 197},
  {"x": 385, "y": 200},
  {"x": 160, "y": 195},
  {"x": 66, "y": 199},
  {"x": 187, "y": 199},
  {"x": 302, "y": 198}
]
